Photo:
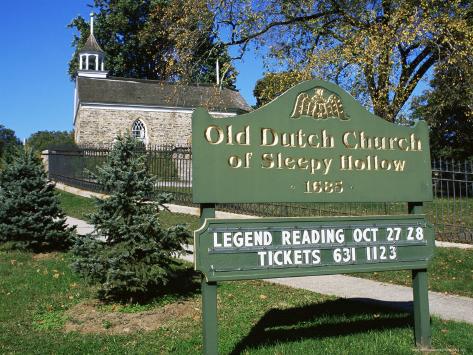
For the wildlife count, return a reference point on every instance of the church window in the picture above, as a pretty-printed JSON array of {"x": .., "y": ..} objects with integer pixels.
[
  {"x": 138, "y": 131},
  {"x": 92, "y": 63}
]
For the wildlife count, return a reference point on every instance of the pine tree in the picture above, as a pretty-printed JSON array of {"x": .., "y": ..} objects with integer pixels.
[
  {"x": 129, "y": 252},
  {"x": 30, "y": 216}
]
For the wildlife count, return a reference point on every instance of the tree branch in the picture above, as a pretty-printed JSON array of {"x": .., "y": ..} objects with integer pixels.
[
  {"x": 404, "y": 92},
  {"x": 290, "y": 21}
]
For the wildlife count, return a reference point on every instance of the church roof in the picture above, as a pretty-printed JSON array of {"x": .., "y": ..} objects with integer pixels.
[
  {"x": 91, "y": 45},
  {"x": 137, "y": 92}
]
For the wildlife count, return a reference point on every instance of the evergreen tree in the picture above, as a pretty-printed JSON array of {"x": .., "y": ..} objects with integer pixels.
[
  {"x": 448, "y": 109},
  {"x": 9, "y": 143},
  {"x": 30, "y": 215},
  {"x": 129, "y": 252}
]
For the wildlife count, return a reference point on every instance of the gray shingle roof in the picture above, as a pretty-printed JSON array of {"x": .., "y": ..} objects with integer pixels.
[
  {"x": 123, "y": 91},
  {"x": 91, "y": 45}
]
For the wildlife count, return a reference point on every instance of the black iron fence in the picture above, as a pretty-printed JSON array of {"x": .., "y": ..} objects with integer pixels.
[{"x": 451, "y": 211}]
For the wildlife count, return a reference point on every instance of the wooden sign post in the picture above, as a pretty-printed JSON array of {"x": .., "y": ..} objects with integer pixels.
[{"x": 314, "y": 143}]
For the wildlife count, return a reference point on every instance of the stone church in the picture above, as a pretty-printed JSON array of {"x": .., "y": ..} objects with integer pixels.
[{"x": 156, "y": 112}]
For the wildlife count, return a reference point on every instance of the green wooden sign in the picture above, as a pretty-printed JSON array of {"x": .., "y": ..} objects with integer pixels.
[
  {"x": 313, "y": 143},
  {"x": 264, "y": 248}
]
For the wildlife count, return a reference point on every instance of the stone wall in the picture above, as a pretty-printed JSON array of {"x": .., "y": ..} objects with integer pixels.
[{"x": 98, "y": 126}]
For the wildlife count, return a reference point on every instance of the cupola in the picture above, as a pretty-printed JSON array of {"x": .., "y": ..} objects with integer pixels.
[{"x": 91, "y": 56}]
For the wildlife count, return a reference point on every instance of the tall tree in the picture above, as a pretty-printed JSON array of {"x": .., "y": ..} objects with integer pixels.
[
  {"x": 274, "y": 84},
  {"x": 8, "y": 142},
  {"x": 150, "y": 39},
  {"x": 379, "y": 50},
  {"x": 42, "y": 140},
  {"x": 448, "y": 109}
]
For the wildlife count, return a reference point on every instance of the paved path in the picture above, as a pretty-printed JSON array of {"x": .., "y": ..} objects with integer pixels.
[
  {"x": 82, "y": 227},
  {"x": 444, "y": 306}
]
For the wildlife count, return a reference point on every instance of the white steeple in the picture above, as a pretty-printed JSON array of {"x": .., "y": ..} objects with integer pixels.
[{"x": 91, "y": 56}]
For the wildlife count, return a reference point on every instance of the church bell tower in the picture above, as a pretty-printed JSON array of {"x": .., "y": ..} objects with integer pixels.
[{"x": 91, "y": 57}]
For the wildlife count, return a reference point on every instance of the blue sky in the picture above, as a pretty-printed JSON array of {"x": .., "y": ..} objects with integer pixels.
[{"x": 35, "y": 90}]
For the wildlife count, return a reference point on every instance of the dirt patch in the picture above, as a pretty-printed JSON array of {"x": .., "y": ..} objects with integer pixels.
[
  {"x": 86, "y": 318},
  {"x": 44, "y": 256}
]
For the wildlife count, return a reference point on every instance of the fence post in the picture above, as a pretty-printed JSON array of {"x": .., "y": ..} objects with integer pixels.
[
  {"x": 45, "y": 159},
  {"x": 422, "y": 331},
  {"x": 209, "y": 298}
]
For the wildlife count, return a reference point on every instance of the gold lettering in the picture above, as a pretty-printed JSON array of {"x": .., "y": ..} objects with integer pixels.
[
  {"x": 318, "y": 107},
  {"x": 300, "y": 139},
  {"x": 359, "y": 164},
  {"x": 402, "y": 144},
  {"x": 299, "y": 106},
  {"x": 379, "y": 143},
  {"x": 346, "y": 142},
  {"x": 230, "y": 135},
  {"x": 243, "y": 137},
  {"x": 327, "y": 139},
  {"x": 399, "y": 165},
  {"x": 290, "y": 163},
  {"x": 208, "y": 134},
  {"x": 268, "y": 159},
  {"x": 365, "y": 142},
  {"x": 248, "y": 157},
  {"x": 345, "y": 162},
  {"x": 310, "y": 141},
  {"x": 303, "y": 163},
  {"x": 234, "y": 161},
  {"x": 392, "y": 141},
  {"x": 288, "y": 140},
  {"x": 385, "y": 164},
  {"x": 416, "y": 144},
  {"x": 264, "y": 137}
]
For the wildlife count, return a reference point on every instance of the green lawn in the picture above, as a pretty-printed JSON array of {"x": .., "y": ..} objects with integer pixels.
[
  {"x": 254, "y": 317},
  {"x": 76, "y": 206},
  {"x": 451, "y": 271}
]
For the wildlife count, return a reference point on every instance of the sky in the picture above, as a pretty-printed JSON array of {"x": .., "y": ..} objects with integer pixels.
[{"x": 35, "y": 90}]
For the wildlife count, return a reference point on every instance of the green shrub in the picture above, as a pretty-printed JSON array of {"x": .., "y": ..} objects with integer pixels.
[
  {"x": 30, "y": 216},
  {"x": 129, "y": 252}
]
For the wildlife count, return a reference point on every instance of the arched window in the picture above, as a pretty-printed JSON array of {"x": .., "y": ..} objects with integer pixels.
[{"x": 138, "y": 131}]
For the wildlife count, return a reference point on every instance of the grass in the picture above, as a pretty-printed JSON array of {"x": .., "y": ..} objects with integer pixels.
[
  {"x": 451, "y": 271},
  {"x": 76, "y": 206},
  {"x": 254, "y": 317}
]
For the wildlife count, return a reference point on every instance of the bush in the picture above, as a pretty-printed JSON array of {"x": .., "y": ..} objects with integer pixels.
[
  {"x": 30, "y": 216},
  {"x": 129, "y": 252}
]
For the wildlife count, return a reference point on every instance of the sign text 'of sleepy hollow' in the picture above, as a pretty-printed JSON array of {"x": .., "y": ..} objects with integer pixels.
[{"x": 313, "y": 143}]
